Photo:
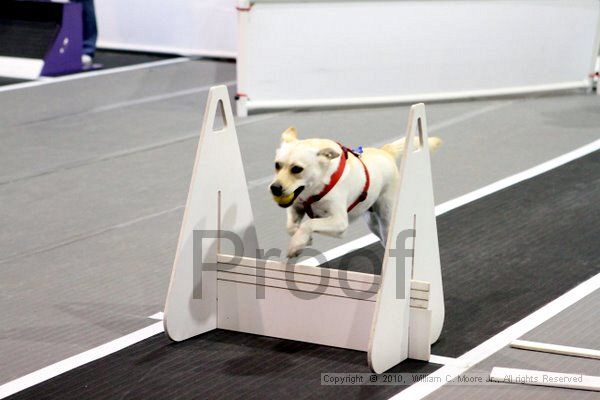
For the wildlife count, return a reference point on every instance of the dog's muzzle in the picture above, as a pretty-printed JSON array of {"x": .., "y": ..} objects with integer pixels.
[{"x": 285, "y": 201}]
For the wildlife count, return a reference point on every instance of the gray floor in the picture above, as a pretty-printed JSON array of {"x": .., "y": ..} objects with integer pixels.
[
  {"x": 94, "y": 174},
  {"x": 576, "y": 326}
]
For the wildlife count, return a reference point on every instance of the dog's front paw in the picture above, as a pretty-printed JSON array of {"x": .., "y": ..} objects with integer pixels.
[{"x": 299, "y": 241}]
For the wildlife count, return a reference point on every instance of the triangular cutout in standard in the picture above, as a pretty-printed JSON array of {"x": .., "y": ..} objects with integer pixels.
[{"x": 220, "y": 121}]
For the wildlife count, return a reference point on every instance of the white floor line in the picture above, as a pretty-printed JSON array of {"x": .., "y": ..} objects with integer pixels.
[
  {"x": 78, "y": 360},
  {"x": 438, "y": 378},
  {"x": 443, "y": 360},
  {"x": 91, "y": 74},
  {"x": 159, "y": 316},
  {"x": 340, "y": 251},
  {"x": 521, "y": 176},
  {"x": 451, "y": 368},
  {"x": 159, "y": 97},
  {"x": 465, "y": 199}
]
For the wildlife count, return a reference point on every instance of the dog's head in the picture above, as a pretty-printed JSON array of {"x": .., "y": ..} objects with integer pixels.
[{"x": 301, "y": 167}]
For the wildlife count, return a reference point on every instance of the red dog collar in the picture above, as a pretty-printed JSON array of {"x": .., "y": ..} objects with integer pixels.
[{"x": 335, "y": 177}]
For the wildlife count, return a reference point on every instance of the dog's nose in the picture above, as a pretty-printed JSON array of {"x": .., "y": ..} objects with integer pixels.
[{"x": 276, "y": 189}]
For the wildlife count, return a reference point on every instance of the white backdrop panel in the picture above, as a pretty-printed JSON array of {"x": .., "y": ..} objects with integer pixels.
[
  {"x": 188, "y": 27},
  {"x": 305, "y": 53}
]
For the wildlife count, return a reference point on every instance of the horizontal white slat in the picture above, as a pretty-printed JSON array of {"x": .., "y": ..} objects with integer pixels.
[
  {"x": 259, "y": 273},
  {"x": 419, "y": 285},
  {"x": 298, "y": 268},
  {"x": 419, "y": 295},
  {"x": 296, "y": 286},
  {"x": 419, "y": 303},
  {"x": 555, "y": 349}
]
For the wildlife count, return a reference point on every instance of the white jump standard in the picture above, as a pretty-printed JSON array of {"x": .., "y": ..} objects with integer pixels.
[{"x": 217, "y": 284}]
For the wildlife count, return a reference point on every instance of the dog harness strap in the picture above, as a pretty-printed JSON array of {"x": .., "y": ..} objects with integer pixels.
[
  {"x": 365, "y": 191},
  {"x": 335, "y": 177}
]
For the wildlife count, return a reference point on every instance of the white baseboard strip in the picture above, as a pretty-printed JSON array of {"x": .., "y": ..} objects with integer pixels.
[
  {"x": 555, "y": 349},
  {"x": 545, "y": 378},
  {"x": 20, "y": 68}
]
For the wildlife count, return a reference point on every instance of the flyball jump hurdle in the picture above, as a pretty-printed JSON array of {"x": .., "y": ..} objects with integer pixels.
[{"x": 211, "y": 288}]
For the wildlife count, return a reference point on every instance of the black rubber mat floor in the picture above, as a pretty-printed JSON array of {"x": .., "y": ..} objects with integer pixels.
[
  {"x": 503, "y": 257},
  {"x": 10, "y": 81}
]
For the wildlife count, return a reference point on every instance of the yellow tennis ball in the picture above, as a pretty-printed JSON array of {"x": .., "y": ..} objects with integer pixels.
[{"x": 283, "y": 200}]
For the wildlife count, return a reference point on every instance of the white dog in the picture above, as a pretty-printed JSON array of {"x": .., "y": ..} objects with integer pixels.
[{"x": 333, "y": 185}]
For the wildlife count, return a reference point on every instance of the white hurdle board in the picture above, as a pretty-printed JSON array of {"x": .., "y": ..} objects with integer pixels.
[
  {"x": 214, "y": 286},
  {"x": 324, "y": 53},
  {"x": 214, "y": 203},
  {"x": 414, "y": 210},
  {"x": 203, "y": 27}
]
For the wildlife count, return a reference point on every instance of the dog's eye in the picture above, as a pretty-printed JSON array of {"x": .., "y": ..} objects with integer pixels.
[
  {"x": 277, "y": 166},
  {"x": 296, "y": 169}
]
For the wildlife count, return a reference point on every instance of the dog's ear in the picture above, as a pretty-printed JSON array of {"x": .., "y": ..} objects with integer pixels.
[
  {"x": 290, "y": 135},
  {"x": 328, "y": 153}
]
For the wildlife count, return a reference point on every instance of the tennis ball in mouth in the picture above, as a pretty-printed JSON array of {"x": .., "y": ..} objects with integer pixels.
[{"x": 283, "y": 200}]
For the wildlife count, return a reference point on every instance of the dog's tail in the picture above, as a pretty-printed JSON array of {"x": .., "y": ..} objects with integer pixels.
[{"x": 396, "y": 148}]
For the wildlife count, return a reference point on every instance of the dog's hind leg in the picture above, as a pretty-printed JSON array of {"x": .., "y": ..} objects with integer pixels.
[
  {"x": 374, "y": 225},
  {"x": 382, "y": 213}
]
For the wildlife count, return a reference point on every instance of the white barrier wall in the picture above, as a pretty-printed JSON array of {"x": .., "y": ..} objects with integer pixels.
[
  {"x": 187, "y": 27},
  {"x": 343, "y": 52}
]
